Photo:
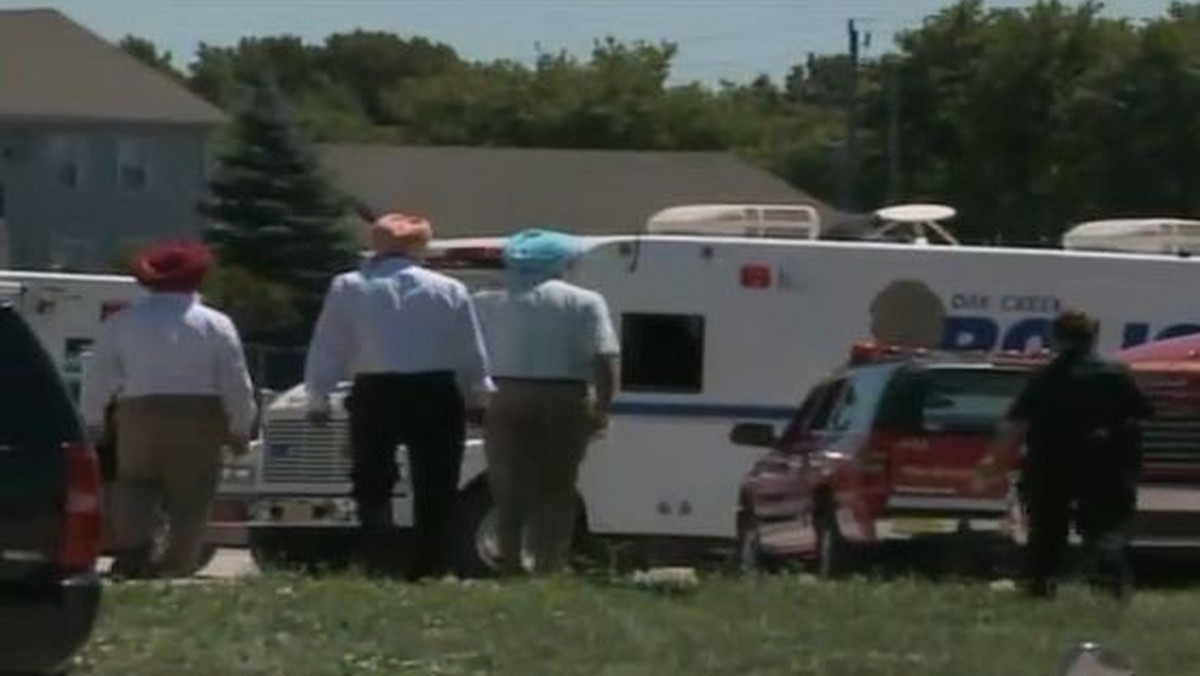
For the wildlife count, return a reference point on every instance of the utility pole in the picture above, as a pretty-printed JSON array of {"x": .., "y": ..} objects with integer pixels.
[
  {"x": 894, "y": 188},
  {"x": 850, "y": 168}
]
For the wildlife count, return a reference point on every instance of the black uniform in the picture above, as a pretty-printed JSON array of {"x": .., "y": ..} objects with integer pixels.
[{"x": 1083, "y": 458}]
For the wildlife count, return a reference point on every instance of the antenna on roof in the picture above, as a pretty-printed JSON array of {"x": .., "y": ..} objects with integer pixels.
[{"x": 920, "y": 219}]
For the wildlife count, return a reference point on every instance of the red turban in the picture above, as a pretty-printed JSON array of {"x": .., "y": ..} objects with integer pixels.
[{"x": 177, "y": 267}]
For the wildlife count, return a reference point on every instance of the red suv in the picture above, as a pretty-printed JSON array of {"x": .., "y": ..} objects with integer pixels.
[{"x": 884, "y": 450}]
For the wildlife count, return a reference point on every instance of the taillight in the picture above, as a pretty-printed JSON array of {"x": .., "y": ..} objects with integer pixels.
[{"x": 82, "y": 510}]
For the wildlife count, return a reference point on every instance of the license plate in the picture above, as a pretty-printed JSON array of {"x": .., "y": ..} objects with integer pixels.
[
  {"x": 295, "y": 511},
  {"x": 924, "y": 526}
]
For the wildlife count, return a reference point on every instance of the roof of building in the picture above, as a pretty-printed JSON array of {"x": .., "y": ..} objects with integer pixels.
[
  {"x": 495, "y": 191},
  {"x": 51, "y": 67}
]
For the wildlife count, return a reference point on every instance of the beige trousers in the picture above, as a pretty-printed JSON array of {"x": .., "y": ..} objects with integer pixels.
[
  {"x": 169, "y": 458},
  {"x": 536, "y": 435}
]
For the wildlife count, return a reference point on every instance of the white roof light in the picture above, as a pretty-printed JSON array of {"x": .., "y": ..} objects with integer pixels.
[
  {"x": 917, "y": 213},
  {"x": 1136, "y": 235}
]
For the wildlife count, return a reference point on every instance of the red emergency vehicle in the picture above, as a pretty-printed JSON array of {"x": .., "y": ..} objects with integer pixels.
[
  {"x": 1169, "y": 489},
  {"x": 886, "y": 449}
]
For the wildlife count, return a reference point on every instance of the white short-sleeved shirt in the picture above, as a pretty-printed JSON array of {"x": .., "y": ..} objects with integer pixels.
[
  {"x": 169, "y": 344},
  {"x": 552, "y": 331}
]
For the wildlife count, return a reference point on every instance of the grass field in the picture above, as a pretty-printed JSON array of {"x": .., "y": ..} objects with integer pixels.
[{"x": 292, "y": 626}]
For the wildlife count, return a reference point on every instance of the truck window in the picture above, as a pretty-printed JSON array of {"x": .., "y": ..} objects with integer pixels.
[
  {"x": 818, "y": 400},
  {"x": 969, "y": 399},
  {"x": 859, "y": 399},
  {"x": 662, "y": 353},
  {"x": 829, "y": 398}
]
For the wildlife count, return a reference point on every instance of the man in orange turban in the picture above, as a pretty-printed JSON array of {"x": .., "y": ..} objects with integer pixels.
[{"x": 409, "y": 339}]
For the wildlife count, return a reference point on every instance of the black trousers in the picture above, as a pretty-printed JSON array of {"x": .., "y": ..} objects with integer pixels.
[
  {"x": 1101, "y": 504},
  {"x": 425, "y": 413}
]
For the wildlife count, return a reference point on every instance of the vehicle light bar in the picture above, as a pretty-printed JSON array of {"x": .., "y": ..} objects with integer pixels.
[
  {"x": 468, "y": 257},
  {"x": 871, "y": 352}
]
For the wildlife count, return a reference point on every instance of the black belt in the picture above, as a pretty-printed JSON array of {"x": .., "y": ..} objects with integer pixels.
[
  {"x": 413, "y": 378},
  {"x": 539, "y": 381}
]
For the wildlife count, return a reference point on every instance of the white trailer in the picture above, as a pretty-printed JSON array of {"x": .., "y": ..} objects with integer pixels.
[
  {"x": 65, "y": 310},
  {"x": 719, "y": 330}
]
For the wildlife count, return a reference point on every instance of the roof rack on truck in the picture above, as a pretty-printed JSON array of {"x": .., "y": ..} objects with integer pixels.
[
  {"x": 1177, "y": 236},
  {"x": 781, "y": 221}
]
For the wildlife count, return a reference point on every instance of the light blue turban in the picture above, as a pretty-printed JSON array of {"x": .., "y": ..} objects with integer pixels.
[{"x": 536, "y": 254}]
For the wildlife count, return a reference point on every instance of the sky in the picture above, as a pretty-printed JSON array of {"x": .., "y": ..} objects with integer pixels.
[{"x": 727, "y": 39}]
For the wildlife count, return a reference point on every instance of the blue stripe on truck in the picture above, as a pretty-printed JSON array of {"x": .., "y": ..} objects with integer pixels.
[{"x": 673, "y": 410}]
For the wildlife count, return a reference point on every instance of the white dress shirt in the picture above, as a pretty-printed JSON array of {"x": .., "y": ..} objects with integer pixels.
[
  {"x": 169, "y": 344},
  {"x": 394, "y": 316},
  {"x": 552, "y": 331}
]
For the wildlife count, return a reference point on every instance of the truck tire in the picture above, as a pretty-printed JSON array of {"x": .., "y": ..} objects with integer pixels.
[
  {"x": 836, "y": 557},
  {"x": 476, "y": 551},
  {"x": 310, "y": 550},
  {"x": 751, "y": 560}
]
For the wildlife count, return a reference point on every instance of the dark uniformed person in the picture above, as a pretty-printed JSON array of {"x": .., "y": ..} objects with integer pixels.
[{"x": 1079, "y": 417}]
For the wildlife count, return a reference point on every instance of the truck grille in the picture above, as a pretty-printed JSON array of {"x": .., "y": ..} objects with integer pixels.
[
  {"x": 296, "y": 452},
  {"x": 1171, "y": 440}
]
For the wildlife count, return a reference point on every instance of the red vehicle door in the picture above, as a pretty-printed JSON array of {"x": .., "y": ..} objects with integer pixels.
[{"x": 781, "y": 483}]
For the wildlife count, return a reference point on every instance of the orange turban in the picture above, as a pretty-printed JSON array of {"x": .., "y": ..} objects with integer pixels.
[{"x": 403, "y": 234}]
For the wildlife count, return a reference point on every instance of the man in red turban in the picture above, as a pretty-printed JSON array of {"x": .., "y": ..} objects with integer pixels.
[
  {"x": 176, "y": 370},
  {"x": 173, "y": 268}
]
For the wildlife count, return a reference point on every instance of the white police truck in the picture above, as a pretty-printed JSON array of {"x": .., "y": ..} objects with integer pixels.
[{"x": 718, "y": 329}]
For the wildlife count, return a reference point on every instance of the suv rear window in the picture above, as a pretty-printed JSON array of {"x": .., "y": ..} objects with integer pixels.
[
  {"x": 37, "y": 408},
  {"x": 969, "y": 398}
]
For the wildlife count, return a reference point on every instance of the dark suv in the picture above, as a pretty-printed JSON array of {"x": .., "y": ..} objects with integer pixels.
[
  {"x": 886, "y": 450},
  {"x": 50, "y": 511}
]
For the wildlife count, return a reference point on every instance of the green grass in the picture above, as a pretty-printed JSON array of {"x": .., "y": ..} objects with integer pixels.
[{"x": 291, "y": 626}]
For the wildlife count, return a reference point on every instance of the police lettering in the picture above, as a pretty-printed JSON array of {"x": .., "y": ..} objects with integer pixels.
[
  {"x": 969, "y": 301},
  {"x": 977, "y": 333},
  {"x": 1030, "y": 305}
]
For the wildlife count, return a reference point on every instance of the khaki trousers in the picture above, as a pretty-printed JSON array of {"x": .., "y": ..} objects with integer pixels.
[
  {"x": 536, "y": 435},
  {"x": 168, "y": 458}
]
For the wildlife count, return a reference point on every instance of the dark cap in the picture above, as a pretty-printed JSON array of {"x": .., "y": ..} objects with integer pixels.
[{"x": 1073, "y": 328}]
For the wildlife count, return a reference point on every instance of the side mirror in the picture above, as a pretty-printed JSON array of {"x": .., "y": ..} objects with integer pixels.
[{"x": 753, "y": 434}]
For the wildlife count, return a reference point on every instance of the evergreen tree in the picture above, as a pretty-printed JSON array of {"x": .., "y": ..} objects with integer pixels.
[{"x": 272, "y": 212}]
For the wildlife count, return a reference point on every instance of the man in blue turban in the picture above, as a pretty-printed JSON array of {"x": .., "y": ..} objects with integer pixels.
[{"x": 554, "y": 356}]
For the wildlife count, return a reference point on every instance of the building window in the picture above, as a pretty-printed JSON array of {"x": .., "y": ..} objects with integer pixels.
[
  {"x": 133, "y": 163},
  {"x": 662, "y": 353},
  {"x": 68, "y": 156}
]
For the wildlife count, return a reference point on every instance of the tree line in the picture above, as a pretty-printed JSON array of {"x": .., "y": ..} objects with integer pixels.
[{"x": 1026, "y": 120}]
